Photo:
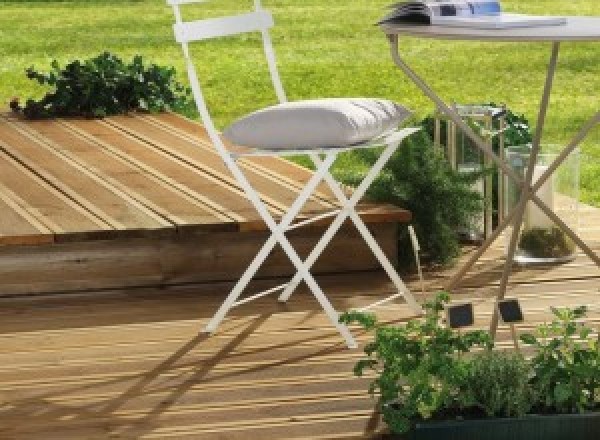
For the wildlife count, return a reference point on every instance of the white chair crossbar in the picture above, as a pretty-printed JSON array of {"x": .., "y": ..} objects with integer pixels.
[
  {"x": 323, "y": 158},
  {"x": 313, "y": 219}
]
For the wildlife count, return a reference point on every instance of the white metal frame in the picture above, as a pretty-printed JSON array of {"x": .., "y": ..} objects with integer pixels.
[
  {"x": 529, "y": 188},
  {"x": 261, "y": 20}
]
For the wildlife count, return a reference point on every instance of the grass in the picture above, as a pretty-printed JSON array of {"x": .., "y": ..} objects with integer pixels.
[{"x": 325, "y": 48}]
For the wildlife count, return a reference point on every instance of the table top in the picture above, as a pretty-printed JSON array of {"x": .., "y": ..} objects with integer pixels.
[{"x": 576, "y": 29}]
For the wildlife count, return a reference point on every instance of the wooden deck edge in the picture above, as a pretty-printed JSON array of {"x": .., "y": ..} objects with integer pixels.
[
  {"x": 371, "y": 215},
  {"x": 170, "y": 260}
]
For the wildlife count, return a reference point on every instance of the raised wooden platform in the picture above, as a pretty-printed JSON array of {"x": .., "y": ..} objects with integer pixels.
[{"x": 145, "y": 200}]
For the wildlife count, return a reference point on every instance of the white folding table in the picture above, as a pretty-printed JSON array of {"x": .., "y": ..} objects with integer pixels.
[{"x": 577, "y": 29}]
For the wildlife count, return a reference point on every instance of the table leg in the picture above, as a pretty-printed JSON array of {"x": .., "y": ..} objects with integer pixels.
[
  {"x": 526, "y": 194},
  {"x": 452, "y": 114},
  {"x": 479, "y": 142},
  {"x": 529, "y": 191}
]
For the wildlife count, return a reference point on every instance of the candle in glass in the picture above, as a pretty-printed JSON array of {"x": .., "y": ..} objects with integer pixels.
[{"x": 535, "y": 217}]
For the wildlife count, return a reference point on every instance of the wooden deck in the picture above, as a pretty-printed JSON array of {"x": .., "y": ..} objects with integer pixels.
[
  {"x": 148, "y": 194},
  {"x": 130, "y": 365}
]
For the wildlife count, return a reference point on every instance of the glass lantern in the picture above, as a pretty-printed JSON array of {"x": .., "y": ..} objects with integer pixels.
[
  {"x": 540, "y": 240},
  {"x": 463, "y": 155}
]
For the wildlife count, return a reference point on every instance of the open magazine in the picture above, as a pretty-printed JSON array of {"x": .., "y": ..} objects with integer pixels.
[{"x": 482, "y": 14}]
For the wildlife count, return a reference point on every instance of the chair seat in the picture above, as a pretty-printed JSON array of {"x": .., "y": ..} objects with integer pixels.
[{"x": 318, "y": 123}]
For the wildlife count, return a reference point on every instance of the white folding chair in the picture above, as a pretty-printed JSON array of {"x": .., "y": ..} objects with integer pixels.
[{"x": 259, "y": 20}]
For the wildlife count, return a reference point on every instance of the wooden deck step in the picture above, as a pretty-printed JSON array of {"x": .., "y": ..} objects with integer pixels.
[{"x": 145, "y": 200}]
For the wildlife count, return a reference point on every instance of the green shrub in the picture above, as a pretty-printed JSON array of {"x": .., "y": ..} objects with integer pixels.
[
  {"x": 442, "y": 200},
  {"x": 498, "y": 384},
  {"x": 103, "y": 86}
]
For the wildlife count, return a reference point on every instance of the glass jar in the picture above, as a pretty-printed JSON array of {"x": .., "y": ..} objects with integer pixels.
[{"x": 540, "y": 240}]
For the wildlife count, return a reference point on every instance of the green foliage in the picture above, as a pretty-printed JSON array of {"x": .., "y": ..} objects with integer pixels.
[
  {"x": 498, "y": 384},
  {"x": 416, "y": 364},
  {"x": 419, "y": 178},
  {"x": 566, "y": 364},
  {"x": 517, "y": 131},
  {"x": 546, "y": 243},
  {"x": 102, "y": 86}
]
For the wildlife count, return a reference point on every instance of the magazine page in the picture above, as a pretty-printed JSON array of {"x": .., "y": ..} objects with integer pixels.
[
  {"x": 482, "y": 14},
  {"x": 461, "y": 8},
  {"x": 423, "y": 11}
]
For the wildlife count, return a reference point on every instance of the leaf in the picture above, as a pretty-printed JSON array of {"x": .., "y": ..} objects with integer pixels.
[
  {"x": 529, "y": 339},
  {"x": 580, "y": 312},
  {"x": 367, "y": 320},
  {"x": 562, "y": 393},
  {"x": 585, "y": 332}
]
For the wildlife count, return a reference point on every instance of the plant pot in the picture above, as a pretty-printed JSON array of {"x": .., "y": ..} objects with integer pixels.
[{"x": 533, "y": 427}]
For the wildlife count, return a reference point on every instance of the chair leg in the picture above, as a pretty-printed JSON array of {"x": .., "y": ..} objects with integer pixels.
[
  {"x": 348, "y": 210},
  {"x": 278, "y": 236},
  {"x": 241, "y": 284},
  {"x": 262, "y": 255},
  {"x": 387, "y": 266}
]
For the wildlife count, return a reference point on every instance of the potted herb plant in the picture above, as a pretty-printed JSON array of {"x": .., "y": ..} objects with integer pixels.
[{"x": 434, "y": 383}]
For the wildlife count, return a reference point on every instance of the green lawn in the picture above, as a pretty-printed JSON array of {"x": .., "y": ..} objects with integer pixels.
[{"x": 325, "y": 48}]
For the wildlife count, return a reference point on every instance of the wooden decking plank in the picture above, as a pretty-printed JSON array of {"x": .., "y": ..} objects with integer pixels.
[
  {"x": 217, "y": 187},
  {"x": 33, "y": 215},
  {"x": 60, "y": 183},
  {"x": 130, "y": 197},
  {"x": 218, "y": 420},
  {"x": 123, "y": 342},
  {"x": 272, "y": 192},
  {"x": 157, "y": 196},
  {"x": 116, "y": 148},
  {"x": 17, "y": 226},
  {"x": 272, "y": 428},
  {"x": 211, "y": 215},
  {"x": 185, "y": 179},
  {"x": 54, "y": 369},
  {"x": 58, "y": 212},
  {"x": 240, "y": 396},
  {"x": 279, "y": 170},
  {"x": 120, "y": 209}
]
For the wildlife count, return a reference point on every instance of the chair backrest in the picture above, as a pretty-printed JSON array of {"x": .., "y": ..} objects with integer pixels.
[{"x": 258, "y": 20}]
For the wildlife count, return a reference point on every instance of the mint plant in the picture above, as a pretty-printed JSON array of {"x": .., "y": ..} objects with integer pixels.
[
  {"x": 102, "y": 86},
  {"x": 417, "y": 364},
  {"x": 566, "y": 363}
]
